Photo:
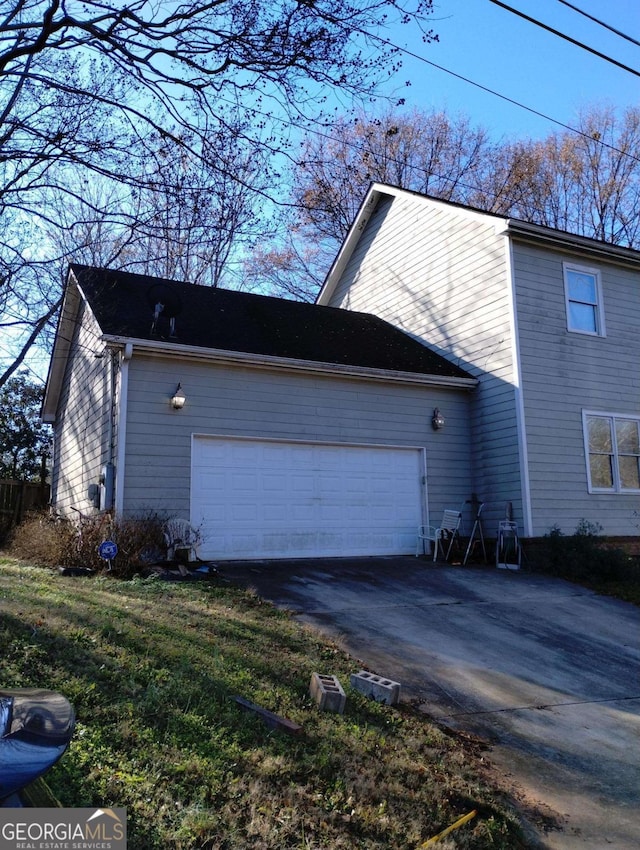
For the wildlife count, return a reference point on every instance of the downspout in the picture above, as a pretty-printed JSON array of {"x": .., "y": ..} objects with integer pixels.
[
  {"x": 523, "y": 452},
  {"x": 108, "y": 471},
  {"x": 123, "y": 395}
]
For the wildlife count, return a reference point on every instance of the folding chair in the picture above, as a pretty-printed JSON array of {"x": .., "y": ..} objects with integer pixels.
[
  {"x": 180, "y": 534},
  {"x": 442, "y": 536}
]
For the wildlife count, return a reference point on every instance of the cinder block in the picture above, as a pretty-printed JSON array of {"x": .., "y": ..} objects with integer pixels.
[
  {"x": 376, "y": 687},
  {"x": 327, "y": 692}
]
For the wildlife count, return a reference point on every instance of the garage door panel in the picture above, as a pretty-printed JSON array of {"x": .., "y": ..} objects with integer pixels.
[
  {"x": 301, "y": 483},
  {"x": 306, "y": 513},
  {"x": 243, "y": 513},
  {"x": 334, "y": 514},
  {"x": 270, "y": 499},
  {"x": 274, "y": 483},
  {"x": 237, "y": 545}
]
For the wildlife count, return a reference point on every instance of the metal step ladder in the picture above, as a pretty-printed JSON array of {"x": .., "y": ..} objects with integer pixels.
[{"x": 477, "y": 536}]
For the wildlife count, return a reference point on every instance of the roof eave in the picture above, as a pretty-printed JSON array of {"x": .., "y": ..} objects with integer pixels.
[
  {"x": 264, "y": 361},
  {"x": 348, "y": 246},
  {"x": 538, "y": 233},
  {"x": 61, "y": 348}
]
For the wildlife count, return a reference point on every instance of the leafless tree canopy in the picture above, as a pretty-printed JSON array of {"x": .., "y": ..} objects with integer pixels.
[
  {"x": 585, "y": 182},
  {"x": 152, "y": 136},
  {"x": 434, "y": 153},
  {"x": 100, "y": 92}
]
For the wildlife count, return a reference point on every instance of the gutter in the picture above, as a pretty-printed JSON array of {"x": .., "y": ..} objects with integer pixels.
[
  {"x": 541, "y": 235},
  {"x": 264, "y": 361}
]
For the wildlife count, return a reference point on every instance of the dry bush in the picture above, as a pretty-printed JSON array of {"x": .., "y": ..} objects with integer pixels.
[
  {"x": 54, "y": 541},
  {"x": 140, "y": 542},
  {"x": 43, "y": 539}
]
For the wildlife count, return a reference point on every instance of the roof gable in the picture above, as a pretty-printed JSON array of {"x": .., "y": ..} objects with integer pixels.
[{"x": 511, "y": 227}]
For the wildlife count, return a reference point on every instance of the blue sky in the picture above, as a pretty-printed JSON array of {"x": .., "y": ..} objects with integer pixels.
[{"x": 500, "y": 51}]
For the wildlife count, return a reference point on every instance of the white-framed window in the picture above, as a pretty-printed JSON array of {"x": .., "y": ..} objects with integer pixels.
[
  {"x": 583, "y": 299},
  {"x": 612, "y": 449}
]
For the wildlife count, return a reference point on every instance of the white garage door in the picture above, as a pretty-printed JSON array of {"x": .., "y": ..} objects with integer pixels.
[{"x": 271, "y": 499}]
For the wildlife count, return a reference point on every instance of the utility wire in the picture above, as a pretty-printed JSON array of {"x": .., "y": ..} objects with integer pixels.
[
  {"x": 504, "y": 97},
  {"x": 598, "y": 21},
  {"x": 488, "y": 90},
  {"x": 566, "y": 37}
]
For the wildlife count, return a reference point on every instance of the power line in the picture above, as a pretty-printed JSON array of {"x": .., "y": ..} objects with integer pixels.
[
  {"x": 504, "y": 97},
  {"x": 568, "y": 38},
  {"x": 601, "y": 23}
]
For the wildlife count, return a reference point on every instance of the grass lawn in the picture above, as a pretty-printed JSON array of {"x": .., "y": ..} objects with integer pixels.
[{"x": 151, "y": 668}]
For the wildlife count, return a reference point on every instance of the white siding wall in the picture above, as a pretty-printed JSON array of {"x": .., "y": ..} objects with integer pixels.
[
  {"x": 239, "y": 401},
  {"x": 441, "y": 274},
  {"x": 80, "y": 430},
  {"x": 565, "y": 373}
]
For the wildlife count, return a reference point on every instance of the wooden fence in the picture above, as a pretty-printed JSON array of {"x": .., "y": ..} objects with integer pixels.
[{"x": 18, "y": 498}]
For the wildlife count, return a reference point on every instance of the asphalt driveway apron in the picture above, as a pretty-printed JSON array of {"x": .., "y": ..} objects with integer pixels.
[{"x": 547, "y": 673}]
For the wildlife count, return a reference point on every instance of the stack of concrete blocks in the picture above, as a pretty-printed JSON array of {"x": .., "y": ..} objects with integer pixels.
[
  {"x": 376, "y": 687},
  {"x": 327, "y": 692}
]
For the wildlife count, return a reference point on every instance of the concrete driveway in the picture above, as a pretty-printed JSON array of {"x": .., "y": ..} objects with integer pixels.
[{"x": 545, "y": 672}]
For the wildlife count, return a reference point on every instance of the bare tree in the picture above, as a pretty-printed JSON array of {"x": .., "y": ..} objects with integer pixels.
[
  {"x": 292, "y": 267},
  {"x": 190, "y": 218},
  {"x": 426, "y": 152},
  {"x": 95, "y": 87},
  {"x": 197, "y": 216},
  {"x": 585, "y": 182}
]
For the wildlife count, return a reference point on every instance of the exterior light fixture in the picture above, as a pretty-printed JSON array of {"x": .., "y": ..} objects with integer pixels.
[
  {"x": 437, "y": 420},
  {"x": 178, "y": 398}
]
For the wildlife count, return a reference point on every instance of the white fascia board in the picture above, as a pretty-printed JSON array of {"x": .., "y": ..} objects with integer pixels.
[
  {"x": 348, "y": 246},
  {"x": 73, "y": 297},
  {"x": 560, "y": 239},
  {"x": 521, "y": 424},
  {"x": 123, "y": 402},
  {"x": 263, "y": 361},
  {"x": 60, "y": 353}
]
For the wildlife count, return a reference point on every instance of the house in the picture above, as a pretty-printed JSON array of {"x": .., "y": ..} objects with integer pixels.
[
  {"x": 278, "y": 428},
  {"x": 546, "y": 321}
]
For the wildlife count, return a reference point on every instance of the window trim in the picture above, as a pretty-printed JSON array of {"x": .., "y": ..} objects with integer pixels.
[
  {"x": 599, "y": 305},
  {"x": 617, "y": 489}
]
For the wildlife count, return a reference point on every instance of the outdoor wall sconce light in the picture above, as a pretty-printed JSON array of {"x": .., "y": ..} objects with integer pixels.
[
  {"x": 178, "y": 398},
  {"x": 437, "y": 420}
]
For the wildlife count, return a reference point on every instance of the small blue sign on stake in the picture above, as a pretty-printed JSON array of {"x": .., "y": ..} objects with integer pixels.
[{"x": 107, "y": 550}]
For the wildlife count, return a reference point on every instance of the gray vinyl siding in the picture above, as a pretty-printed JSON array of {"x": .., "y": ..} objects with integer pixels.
[
  {"x": 251, "y": 402},
  {"x": 441, "y": 274},
  {"x": 566, "y": 373},
  {"x": 80, "y": 430}
]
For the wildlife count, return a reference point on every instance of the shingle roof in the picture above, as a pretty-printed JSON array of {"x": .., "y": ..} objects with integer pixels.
[{"x": 123, "y": 304}]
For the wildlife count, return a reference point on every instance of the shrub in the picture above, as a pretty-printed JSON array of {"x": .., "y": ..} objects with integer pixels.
[
  {"x": 43, "y": 539},
  {"x": 583, "y": 555},
  {"x": 55, "y": 541}
]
